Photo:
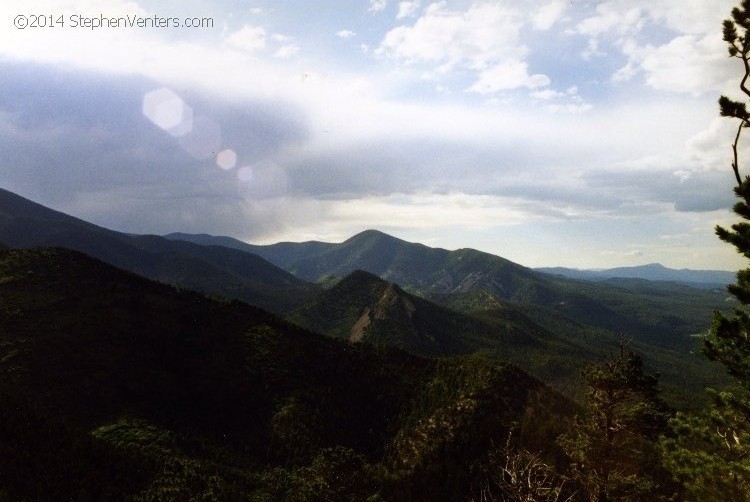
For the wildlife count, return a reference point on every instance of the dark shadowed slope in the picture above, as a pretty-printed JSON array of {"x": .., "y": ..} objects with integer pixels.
[
  {"x": 115, "y": 387},
  {"x": 212, "y": 269}
]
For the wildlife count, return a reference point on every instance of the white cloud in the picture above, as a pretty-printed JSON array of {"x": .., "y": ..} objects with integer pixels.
[
  {"x": 377, "y": 5},
  {"x": 547, "y": 94},
  {"x": 345, "y": 33},
  {"x": 484, "y": 39},
  {"x": 688, "y": 63},
  {"x": 477, "y": 38},
  {"x": 692, "y": 61},
  {"x": 286, "y": 51},
  {"x": 248, "y": 38},
  {"x": 613, "y": 18},
  {"x": 691, "y": 17},
  {"x": 507, "y": 76},
  {"x": 592, "y": 50},
  {"x": 549, "y": 14},
  {"x": 412, "y": 212},
  {"x": 570, "y": 108},
  {"x": 407, "y": 9},
  {"x": 278, "y": 37}
]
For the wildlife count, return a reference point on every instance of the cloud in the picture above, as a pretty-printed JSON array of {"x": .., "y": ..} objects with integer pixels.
[
  {"x": 612, "y": 18},
  {"x": 687, "y": 63},
  {"x": 345, "y": 33},
  {"x": 547, "y": 94},
  {"x": 549, "y": 14},
  {"x": 81, "y": 143},
  {"x": 248, "y": 38},
  {"x": 507, "y": 76},
  {"x": 476, "y": 38},
  {"x": 286, "y": 51},
  {"x": 484, "y": 39},
  {"x": 692, "y": 60},
  {"x": 377, "y": 5},
  {"x": 407, "y": 9}
]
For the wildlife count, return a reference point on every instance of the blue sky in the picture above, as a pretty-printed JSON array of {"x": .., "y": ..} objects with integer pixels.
[{"x": 552, "y": 132}]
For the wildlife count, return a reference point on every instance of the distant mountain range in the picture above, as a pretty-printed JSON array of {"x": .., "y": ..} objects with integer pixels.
[
  {"x": 428, "y": 301},
  {"x": 304, "y": 258},
  {"x": 590, "y": 315},
  {"x": 432, "y": 271},
  {"x": 650, "y": 272}
]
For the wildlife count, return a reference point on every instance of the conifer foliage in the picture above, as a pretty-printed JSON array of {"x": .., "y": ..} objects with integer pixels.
[
  {"x": 611, "y": 446},
  {"x": 728, "y": 341},
  {"x": 709, "y": 453}
]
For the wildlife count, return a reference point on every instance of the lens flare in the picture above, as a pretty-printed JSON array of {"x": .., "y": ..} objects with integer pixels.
[
  {"x": 226, "y": 159},
  {"x": 168, "y": 111}
]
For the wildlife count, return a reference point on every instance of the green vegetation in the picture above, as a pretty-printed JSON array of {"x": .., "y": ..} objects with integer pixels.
[
  {"x": 117, "y": 388},
  {"x": 543, "y": 341},
  {"x": 612, "y": 446}
]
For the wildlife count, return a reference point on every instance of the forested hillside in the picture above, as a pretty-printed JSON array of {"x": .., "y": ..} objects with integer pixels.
[{"x": 115, "y": 387}]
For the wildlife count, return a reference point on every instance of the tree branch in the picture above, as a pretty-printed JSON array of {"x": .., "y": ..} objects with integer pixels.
[{"x": 735, "y": 162}]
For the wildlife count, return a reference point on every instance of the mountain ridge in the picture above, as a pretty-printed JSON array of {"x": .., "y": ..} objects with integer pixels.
[
  {"x": 650, "y": 272},
  {"x": 212, "y": 269},
  {"x": 363, "y": 307},
  {"x": 429, "y": 271}
]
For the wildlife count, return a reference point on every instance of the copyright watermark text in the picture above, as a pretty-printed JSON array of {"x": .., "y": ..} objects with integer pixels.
[{"x": 79, "y": 21}]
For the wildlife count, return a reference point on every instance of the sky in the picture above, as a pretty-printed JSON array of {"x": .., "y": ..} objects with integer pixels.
[{"x": 553, "y": 132}]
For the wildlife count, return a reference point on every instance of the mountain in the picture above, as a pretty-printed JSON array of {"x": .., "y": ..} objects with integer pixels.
[
  {"x": 364, "y": 307},
  {"x": 550, "y": 346},
  {"x": 212, "y": 269},
  {"x": 414, "y": 266},
  {"x": 661, "y": 317},
  {"x": 392, "y": 259},
  {"x": 650, "y": 272},
  {"x": 115, "y": 387}
]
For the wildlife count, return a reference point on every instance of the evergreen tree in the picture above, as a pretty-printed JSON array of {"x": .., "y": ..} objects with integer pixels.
[
  {"x": 727, "y": 341},
  {"x": 710, "y": 453},
  {"x": 612, "y": 446}
]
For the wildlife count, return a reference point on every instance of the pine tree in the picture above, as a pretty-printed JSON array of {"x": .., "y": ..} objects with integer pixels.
[
  {"x": 709, "y": 453},
  {"x": 728, "y": 341},
  {"x": 612, "y": 447}
]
